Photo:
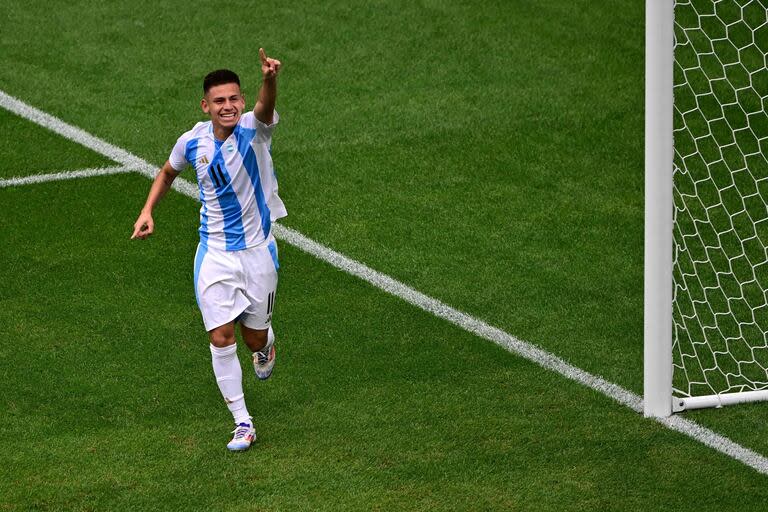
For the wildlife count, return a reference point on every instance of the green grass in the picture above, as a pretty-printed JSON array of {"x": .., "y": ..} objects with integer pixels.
[
  {"x": 21, "y": 153},
  {"x": 488, "y": 154},
  {"x": 497, "y": 143},
  {"x": 122, "y": 412}
]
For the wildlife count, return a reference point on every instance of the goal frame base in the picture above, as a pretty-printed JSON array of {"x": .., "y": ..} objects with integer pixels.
[{"x": 680, "y": 404}]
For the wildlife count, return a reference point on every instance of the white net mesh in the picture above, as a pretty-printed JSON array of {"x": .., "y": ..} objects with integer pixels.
[{"x": 720, "y": 191}]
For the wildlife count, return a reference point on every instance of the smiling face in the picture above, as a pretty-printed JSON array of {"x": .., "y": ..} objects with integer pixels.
[{"x": 225, "y": 104}]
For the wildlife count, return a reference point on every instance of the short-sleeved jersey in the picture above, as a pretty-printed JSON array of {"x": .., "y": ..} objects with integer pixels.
[{"x": 238, "y": 185}]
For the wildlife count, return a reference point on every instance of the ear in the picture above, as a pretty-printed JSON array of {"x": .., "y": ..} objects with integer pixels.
[{"x": 204, "y": 106}]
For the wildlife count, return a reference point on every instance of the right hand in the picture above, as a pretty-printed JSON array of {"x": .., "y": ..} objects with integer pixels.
[
  {"x": 143, "y": 227},
  {"x": 269, "y": 67}
]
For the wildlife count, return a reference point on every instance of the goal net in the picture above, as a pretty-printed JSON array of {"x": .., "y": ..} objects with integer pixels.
[{"x": 720, "y": 217}]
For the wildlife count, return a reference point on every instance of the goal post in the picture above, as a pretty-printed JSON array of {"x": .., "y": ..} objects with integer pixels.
[
  {"x": 706, "y": 204},
  {"x": 659, "y": 50}
]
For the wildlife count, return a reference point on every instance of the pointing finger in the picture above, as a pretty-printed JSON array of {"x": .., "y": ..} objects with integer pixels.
[{"x": 262, "y": 56}]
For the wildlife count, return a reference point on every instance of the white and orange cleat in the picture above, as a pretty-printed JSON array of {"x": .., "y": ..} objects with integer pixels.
[{"x": 245, "y": 434}]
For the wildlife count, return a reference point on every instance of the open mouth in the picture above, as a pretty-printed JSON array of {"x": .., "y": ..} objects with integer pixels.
[{"x": 231, "y": 115}]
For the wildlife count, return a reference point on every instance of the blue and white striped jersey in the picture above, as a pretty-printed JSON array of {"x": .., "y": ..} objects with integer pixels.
[{"x": 238, "y": 185}]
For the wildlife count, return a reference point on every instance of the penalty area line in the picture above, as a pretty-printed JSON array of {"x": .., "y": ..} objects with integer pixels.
[
  {"x": 64, "y": 175},
  {"x": 431, "y": 305}
]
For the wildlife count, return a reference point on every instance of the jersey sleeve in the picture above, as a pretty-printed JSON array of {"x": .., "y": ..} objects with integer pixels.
[
  {"x": 263, "y": 131},
  {"x": 178, "y": 158}
]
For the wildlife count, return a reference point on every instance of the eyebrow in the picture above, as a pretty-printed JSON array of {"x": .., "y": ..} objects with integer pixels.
[{"x": 233, "y": 96}]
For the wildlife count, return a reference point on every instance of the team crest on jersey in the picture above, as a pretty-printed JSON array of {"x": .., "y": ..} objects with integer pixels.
[{"x": 203, "y": 160}]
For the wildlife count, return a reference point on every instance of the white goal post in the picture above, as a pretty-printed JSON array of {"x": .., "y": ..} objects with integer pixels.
[
  {"x": 659, "y": 51},
  {"x": 706, "y": 204}
]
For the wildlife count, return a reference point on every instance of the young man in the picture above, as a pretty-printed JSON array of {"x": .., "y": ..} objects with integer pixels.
[{"x": 236, "y": 261}]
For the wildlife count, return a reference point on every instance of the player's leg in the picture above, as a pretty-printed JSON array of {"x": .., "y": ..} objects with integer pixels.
[
  {"x": 220, "y": 302},
  {"x": 260, "y": 265},
  {"x": 255, "y": 339},
  {"x": 227, "y": 369},
  {"x": 229, "y": 378}
]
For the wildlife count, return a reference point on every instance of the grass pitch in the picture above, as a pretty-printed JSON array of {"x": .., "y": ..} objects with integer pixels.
[{"x": 488, "y": 154}]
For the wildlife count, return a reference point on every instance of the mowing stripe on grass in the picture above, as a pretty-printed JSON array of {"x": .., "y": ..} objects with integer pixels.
[
  {"x": 524, "y": 349},
  {"x": 64, "y": 175}
]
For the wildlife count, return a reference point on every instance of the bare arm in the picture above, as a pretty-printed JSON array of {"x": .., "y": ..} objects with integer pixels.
[
  {"x": 265, "y": 105},
  {"x": 145, "y": 225}
]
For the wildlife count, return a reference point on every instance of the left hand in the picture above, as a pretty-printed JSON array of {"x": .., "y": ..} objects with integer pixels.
[{"x": 269, "y": 67}]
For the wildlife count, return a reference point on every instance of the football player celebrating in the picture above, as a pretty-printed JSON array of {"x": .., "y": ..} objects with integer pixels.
[{"x": 235, "y": 268}]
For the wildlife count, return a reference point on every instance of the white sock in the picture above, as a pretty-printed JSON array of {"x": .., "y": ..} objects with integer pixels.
[{"x": 229, "y": 377}]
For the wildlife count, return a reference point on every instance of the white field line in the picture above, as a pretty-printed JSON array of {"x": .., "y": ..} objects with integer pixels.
[
  {"x": 64, "y": 175},
  {"x": 84, "y": 138},
  {"x": 522, "y": 348}
]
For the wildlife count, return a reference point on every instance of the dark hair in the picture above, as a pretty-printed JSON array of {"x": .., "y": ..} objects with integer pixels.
[{"x": 219, "y": 77}]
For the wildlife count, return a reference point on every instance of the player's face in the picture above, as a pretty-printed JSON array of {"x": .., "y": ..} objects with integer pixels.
[{"x": 224, "y": 104}]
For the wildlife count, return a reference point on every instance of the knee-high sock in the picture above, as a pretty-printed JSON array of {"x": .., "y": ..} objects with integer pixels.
[{"x": 229, "y": 377}]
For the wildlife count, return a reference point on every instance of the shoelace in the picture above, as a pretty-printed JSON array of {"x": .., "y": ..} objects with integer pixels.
[
  {"x": 263, "y": 357},
  {"x": 241, "y": 430}
]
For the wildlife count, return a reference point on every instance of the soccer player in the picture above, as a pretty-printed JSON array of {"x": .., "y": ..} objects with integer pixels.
[{"x": 236, "y": 262}]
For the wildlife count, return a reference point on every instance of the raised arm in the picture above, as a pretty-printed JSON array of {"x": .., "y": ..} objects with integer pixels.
[
  {"x": 145, "y": 225},
  {"x": 265, "y": 105}
]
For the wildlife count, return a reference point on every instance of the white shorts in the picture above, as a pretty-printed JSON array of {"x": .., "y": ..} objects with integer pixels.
[{"x": 236, "y": 285}]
